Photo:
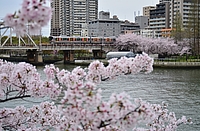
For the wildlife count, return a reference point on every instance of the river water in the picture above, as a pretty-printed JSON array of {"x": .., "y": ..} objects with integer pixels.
[{"x": 180, "y": 88}]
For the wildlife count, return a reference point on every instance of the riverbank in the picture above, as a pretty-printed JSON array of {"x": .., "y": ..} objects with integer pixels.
[
  {"x": 46, "y": 60},
  {"x": 156, "y": 64},
  {"x": 176, "y": 64}
]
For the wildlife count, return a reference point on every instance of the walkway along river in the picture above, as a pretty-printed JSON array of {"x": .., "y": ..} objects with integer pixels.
[{"x": 180, "y": 88}]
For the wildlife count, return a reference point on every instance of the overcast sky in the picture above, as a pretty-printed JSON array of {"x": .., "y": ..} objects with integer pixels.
[{"x": 124, "y": 9}]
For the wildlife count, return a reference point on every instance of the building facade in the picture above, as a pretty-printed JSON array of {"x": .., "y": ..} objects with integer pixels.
[
  {"x": 142, "y": 21},
  {"x": 110, "y": 27},
  {"x": 128, "y": 27},
  {"x": 160, "y": 18},
  {"x": 146, "y": 11},
  {"x": 55, "y": 23},
  {"x": 104, "y": 26},
  {"x": 184, "y": 9},
  {"x": 164, "y": 18},
  {"x": 181, "y": 7},
  {"x": 73, "y": 14}
]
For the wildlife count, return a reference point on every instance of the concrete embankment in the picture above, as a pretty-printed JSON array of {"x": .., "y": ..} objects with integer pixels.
[
  {"x": 156, "y": 64},
  {"x": 176, "y": 64},
  {"x": 87, "y": 62}
]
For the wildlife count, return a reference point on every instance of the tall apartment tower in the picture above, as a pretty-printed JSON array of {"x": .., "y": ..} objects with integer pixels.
[
  {"x": 183, "y": 7},
  {"x": 55, "y": 24},
  {"x": 69, "y": 16},
  {"x": 146, "y": 11},
  {"x": 160, "y": 17}
]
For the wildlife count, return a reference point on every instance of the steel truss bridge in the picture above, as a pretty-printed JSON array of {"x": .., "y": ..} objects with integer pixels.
[
  {"x": 8, "y": 44},
  {"x": 34, "y": 51}
]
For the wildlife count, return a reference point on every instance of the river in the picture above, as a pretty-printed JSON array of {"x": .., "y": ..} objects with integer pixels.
[{"x": 180, "y": 88}]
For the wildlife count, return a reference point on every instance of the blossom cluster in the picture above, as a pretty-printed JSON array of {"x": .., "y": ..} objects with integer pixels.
[
  {"x": 33, "y": 15},
  {"x": 80, "y": 105},
  {"x": 23, "y": 80},
  {"x": 138, "y": 43}
]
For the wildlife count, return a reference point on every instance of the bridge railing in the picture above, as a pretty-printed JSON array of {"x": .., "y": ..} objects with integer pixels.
[{"x": 75, "y": 46}]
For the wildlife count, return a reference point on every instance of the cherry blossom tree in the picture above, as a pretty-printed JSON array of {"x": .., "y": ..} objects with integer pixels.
[
  {"x": 33, "y": 15},
  {"x": 166, "y": 46},
  {"x": 80, "y": 104}
]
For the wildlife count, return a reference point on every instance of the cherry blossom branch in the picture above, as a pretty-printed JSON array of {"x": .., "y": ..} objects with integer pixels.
[
  {"x": 14, "y": 98},
  {"x": 33, "y": 15}
]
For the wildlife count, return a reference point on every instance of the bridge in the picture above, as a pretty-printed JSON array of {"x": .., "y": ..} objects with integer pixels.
[{"x": 35, "y": 52}]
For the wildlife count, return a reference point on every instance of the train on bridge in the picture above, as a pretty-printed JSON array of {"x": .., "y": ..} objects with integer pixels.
[{"x": 80, "y": 40}]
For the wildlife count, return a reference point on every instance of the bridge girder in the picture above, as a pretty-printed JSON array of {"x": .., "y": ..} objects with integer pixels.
[{"x": 8, "y": 31}]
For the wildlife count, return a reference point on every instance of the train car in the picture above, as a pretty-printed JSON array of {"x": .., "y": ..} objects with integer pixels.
[{"x": 74, "y": 40}]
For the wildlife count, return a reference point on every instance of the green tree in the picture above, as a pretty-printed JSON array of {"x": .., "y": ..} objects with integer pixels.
[
  {"x": 193, "y": 27},
  {"x": 178, "y": 30}
]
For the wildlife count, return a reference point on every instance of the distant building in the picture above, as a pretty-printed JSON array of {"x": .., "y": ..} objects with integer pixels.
[
  {"x": 104, "y": 27},
  {"x": 128, "y": 27},
  {"x": 166, "y": 32},
  {"x": 160, "y": 18},
  {"x": 84, "y": 31},
  {"x": 183, "y": 7},
  {"x": 146, "y": 11},
  {"x": 69, "y": 16},
  {"x": 146, "y": 33},
  {"x": 142, "y": 21},
  {"x": 55, "y": 23},
  {"x": 104, "y": 15}
]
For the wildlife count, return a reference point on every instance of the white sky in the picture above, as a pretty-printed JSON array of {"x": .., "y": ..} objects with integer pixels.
[{"x": 124, "y": 9}]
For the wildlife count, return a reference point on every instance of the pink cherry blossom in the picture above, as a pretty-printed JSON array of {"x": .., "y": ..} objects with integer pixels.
[
  {"x": 33, "y": 15},
  {"x": 137, "y": 43},
  {"x": 79, "y": 105}
]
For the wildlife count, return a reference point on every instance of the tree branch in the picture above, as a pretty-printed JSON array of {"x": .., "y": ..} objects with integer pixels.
[{"x": 13, "y": 98}]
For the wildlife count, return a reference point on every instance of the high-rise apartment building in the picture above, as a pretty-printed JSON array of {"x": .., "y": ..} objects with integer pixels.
[
  {"x": 168, "y": 13},
  {"x": 55, "y": 24},
  {"x": 159, "y": 18},
  {"x": 180, "y": 7},
  {"x": 184, "y": 9},
  {"x": 146, "y": 11},
  {"x": 73, "y": 14}
]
